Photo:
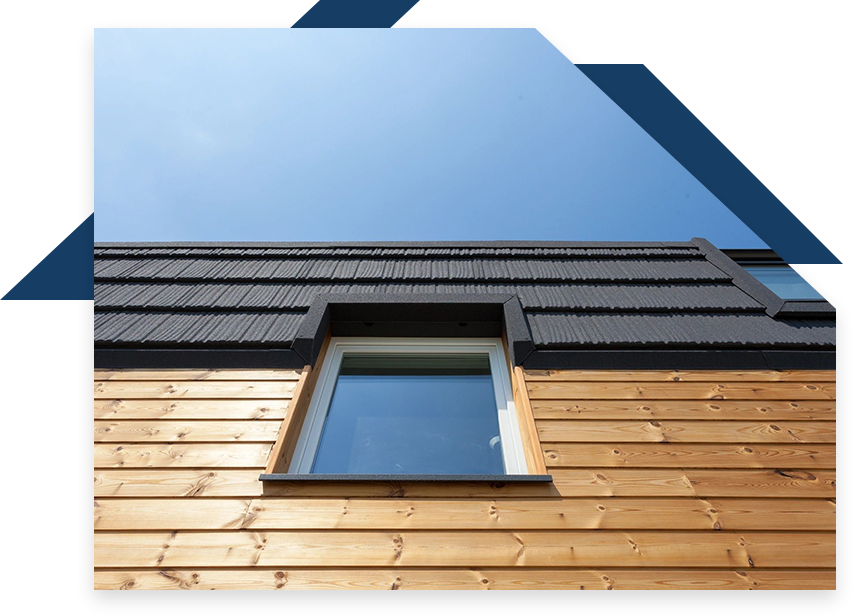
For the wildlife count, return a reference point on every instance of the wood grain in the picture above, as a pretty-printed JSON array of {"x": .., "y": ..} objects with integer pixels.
[
  {"x": 568, "y": 483},
  {"x": 464, "y": 578},
  {"x": 630, "y": 455},
  {"x": 177, "y": 483},
  {"x": 189, "y": 431},
  {"x": 686, "y": 431},
  {"x": 482, "y": 548},
  {"x": 687, "y": 409},
  {"x": 606, "y": 482},
  {"x": 242, "y": 455},
  {"x": 671, "y": 480},
  {"x": 184, "y": 409},
  {"x": 291, "y": 428},
  {"x": 682, "y": 390},
  {"x": 529, "y": 435},
  {"x": 456, "y": 514},
  {"x": 175, "y": 389}
]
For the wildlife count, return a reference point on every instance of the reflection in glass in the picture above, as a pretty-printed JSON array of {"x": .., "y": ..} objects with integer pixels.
[
  {"x": 784, "y": 282},
  {"x": 412, "y": 414}
]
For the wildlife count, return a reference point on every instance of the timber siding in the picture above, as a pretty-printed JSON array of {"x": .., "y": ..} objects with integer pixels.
[{"x": 675, "y": 480}]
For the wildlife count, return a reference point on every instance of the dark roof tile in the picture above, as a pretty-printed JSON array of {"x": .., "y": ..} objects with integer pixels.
[
  {"x": 565, "y": 330},
  {"x": 605, "y": 294}
]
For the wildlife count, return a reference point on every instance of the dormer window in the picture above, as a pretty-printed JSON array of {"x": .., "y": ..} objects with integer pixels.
[{"x": 412, "y": 406}]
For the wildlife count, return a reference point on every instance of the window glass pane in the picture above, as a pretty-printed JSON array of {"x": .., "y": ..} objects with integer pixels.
[
  {"x": 412, "y": 414},
  {"x": 783, "y": 281}
]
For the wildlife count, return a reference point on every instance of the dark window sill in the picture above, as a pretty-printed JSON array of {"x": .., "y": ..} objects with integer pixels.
[{"x": 410, "y": 478}]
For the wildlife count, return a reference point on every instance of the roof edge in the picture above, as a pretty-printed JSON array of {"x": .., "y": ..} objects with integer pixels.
[{"x": 396, "y": 244}]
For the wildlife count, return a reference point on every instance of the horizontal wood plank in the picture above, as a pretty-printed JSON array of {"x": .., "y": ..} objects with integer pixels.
[
  {"x": 686, "y": 431},
  {"x": 177, "y": 483},
  {"x": 198, "y": 374},
  {"x": 192, "y": 409},
  {"x": 604, "y": 375},
  {"x": 483, "y": 548},
  {"x": 568, "y": 483},
  {"x": 687, "y": 410},
  {"x": 464, "y": 578},
  {"x": 631, "y": 455},
  {"x": 455, "y": 514},
  {"x": 189, "y": 431},
  {"x": 608, "y": 482},
  {"x": 176, "y": 389},
  {"x": 242, "y": 455},
  {"x": 682, "y": 390}
]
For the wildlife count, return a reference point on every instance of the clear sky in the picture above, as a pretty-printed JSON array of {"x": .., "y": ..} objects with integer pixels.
[{"x": 390, "y": 134}]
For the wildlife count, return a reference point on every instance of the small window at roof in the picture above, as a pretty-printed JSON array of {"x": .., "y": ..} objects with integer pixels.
[
  {"x": 405, "y": 406},
  {"x": 784, "y": 282}
]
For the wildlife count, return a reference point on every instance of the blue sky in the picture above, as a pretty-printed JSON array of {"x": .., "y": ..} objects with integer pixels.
[{"x": 387, "y": 134}]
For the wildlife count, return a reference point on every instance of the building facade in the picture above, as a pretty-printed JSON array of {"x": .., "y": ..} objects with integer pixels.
[{"x": 491, "y": 415}]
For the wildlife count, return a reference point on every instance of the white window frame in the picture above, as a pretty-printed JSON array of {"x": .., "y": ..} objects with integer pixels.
[{"x": 514, "y": 460}]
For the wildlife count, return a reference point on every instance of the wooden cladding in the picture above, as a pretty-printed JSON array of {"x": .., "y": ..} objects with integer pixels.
[
  {"x": 461, "y": 578},
  {"x": 465, "y": 514},
  {"x": 465, "y": 549},
  {"x": 661, "y": 480}
]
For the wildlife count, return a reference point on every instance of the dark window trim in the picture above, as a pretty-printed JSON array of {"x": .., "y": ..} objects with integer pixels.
[
  {"x": 426, "y": 315},
  {"x": 496, "y": 479},
  {"x": 757, "y": 290}
]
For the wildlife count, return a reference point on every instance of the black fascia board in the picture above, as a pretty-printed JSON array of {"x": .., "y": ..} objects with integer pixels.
[
  {"x": 420, "y": 315},
  {"x": 698, "y": 359},
  {"x": 197, "y": 358},
  {"x": 208, "y": 358},
  {"x": 496, "y": 479}
]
